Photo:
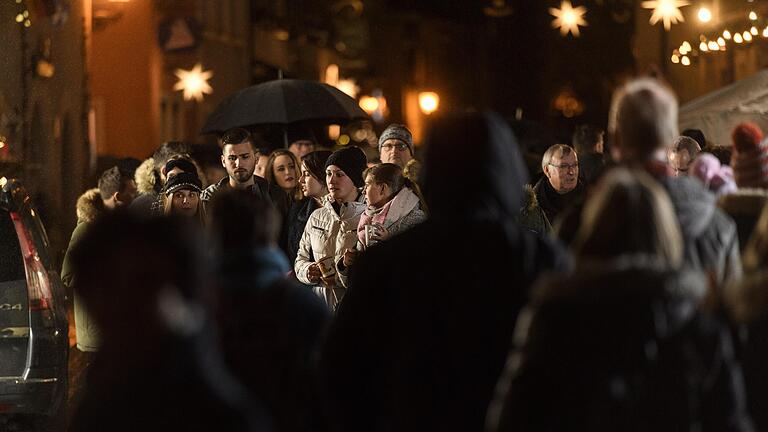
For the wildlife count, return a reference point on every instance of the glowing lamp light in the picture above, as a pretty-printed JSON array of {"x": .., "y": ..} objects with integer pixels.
[
  {"x": 666, "y": 11},
  {"x": 703, "y": 47},
  {"x": 194, "y": 83},
  {"x": 369, "y": 104},
  {"x": 568, "y": 18},
  {"x": 747, "y": 36},
  {"x": 721, "y": 41},
  {"x": 343, "y": 140},
  {"x": 727, "y": 35},
  {"x": 765, "y": 32},
  {"x": 675, "y": 59},
  {"x": 705, "y": 15},
  {"x": 752, "y": 15},
  {"x": 334, "y": 131},
  {"x": 428, "y": 102},
  {"x": 685, "y": 61},
  {"x": 737, "y": 38},
  {"x": 713, "y": 46},
  {"x": 754, "y": 31},
  {"x": 348, "y": 86},
  {"x": 3, "y": 181}
]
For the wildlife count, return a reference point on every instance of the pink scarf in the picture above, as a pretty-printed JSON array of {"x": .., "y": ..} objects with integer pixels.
[{"x": 370, "y": 216}]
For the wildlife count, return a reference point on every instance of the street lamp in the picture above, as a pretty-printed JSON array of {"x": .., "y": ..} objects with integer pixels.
[{"x": 429, "y": 102}]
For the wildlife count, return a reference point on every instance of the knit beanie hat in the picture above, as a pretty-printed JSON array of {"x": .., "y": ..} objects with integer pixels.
[
  {"x": 182, "y": 164},
  {"x": 717, "y": 178},
  {"x": 183, "y": 180},
  {"x": 398, "y": 132},
  {"x": 352, "y": 161},
  {"x": 749, "y": 159}
]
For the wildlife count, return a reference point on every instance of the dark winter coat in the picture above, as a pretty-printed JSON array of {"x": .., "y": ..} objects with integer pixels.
[
  {"x": 591, "y": 166},
  {"x": 554, "y": 203},
  {"x": 270, "y": 330},
  {"x": 260, "y": 188},
  {"x": 621, "y": 346},
  {"x": 532, "y": 216},
  {"x": 298, "y": 215},
  {"x": 748, "y": 306},
  {"x": 421, "y": 337}
]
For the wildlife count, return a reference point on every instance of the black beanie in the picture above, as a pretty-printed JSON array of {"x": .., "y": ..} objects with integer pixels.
[
  {"x": 183, "y": 180},
  {"x": 183, "y": 164},
  {"x": 352, "y": 161}
]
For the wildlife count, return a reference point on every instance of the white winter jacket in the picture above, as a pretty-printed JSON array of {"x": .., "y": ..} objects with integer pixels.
[{"x": 328, "y": 234}]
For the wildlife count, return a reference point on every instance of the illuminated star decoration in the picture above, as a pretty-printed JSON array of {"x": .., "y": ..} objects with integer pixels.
[
  {"x": 666, "y": 10},
  {"x": 194, "y": 82},
  {"x": 568, "y": 18}
]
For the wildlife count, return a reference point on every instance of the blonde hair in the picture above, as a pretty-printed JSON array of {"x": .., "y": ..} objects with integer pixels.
[
  {"x": 168, "y": 208},
  {"x": 296, "y": 194},
  {"x": 629, "y": 214},
  {"x": 643, "y": 118}
]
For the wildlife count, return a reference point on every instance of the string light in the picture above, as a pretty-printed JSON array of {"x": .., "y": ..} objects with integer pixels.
[
  {"x": 754, "y": 31},
  {"x": 713, "y": 46},
  {"x": 737, "y": 38},
  {"x": 703, "y": 47},
  {"x": 721, "y": 41},
  {"x": 675, "y": 59},
  {"x": 727, "y": 34},
  {"x": 752, "y": 15},
  {"x": 747, "y": 36},
  {"x": 685, "y": 61}
]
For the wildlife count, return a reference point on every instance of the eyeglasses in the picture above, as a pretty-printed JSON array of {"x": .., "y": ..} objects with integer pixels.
[
  {"x": 398, "y": 146},
  {"x": 565, "y": 167}
]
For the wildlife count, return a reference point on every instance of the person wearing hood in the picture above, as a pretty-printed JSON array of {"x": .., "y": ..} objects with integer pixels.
[
  {"x": 421, "y": 337},
  {"x": 642, "y": 125},
  {"x": 560, "y": 187},
  {"x": 332, "y": 229},
  {"x": 150, "y": 177},
  {"x": 270, "y": 326},
  {"x": 622, "y": 343},
  {"x": 116, "y": 190}
]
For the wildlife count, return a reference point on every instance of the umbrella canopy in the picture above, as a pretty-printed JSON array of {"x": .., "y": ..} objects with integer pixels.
[{"x": 283, "y": 102}]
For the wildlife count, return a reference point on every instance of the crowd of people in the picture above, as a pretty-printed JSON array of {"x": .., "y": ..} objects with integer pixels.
[{"x": 624, "y": 288}]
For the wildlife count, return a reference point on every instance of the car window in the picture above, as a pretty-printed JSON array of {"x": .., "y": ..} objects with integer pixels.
[{"x": 11, "y": 260}]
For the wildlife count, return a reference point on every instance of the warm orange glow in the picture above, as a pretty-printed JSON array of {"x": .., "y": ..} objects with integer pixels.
[
  {"x": 369, "y": 104},
  {"x": 568, "y": 18},
  {"x": 705, "y": 15},
  {"x": 334, "y": 131},
  {"x": 429, "y": 102},
  {"x": 194, "y": 82},
  {"x": 666, "y": 11}
]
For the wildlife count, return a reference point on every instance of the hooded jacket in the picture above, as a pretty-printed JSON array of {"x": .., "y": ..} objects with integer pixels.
[
  {"x": 621, "y": 345},
  {"x": 423, "y": 332},
  {"x": 328, "y": 234},
  {"x": 89, "y": 208},
  {"x": 711, "y": 238}
]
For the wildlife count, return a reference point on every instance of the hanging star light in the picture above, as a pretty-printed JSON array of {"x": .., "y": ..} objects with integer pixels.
[
  {"x": 194, "y": 82},
  {"x": 568, "y": 18},
  {"x": 667, "y": 11}
]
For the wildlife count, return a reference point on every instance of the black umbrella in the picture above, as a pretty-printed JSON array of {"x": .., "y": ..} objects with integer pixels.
[{"x": 282, "y": 102}]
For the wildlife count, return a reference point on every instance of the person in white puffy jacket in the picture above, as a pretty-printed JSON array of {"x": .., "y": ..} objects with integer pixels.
[{"x": 332, "y": 229}]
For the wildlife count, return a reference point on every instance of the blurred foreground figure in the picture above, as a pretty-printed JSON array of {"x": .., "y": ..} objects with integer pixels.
[
  {"x": 620, "y": 345},
  {"x": 643, "y": 126},
  {"x": 270, "y": 326},
  {"x": 158, "y": 367},
  {"x": 421, "y": 337}
]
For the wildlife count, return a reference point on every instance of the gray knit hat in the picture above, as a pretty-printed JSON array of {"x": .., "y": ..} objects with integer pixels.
[{"x": 398, "y": 132}]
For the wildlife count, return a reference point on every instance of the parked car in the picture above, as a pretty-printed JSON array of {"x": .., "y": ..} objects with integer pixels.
[{"x": 33, "y": 319}]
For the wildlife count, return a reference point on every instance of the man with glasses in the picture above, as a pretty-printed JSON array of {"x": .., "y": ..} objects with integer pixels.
[
  {"x": 396, "y": 145},
  {"x": 559, "y": 188}
]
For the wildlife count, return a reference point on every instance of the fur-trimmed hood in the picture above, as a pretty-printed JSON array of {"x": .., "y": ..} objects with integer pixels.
[
  {"x": 530, "y": 202},
  {"x": 147, "y": 179},
  {"x": 89, "y": 206}
]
